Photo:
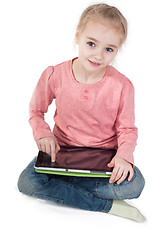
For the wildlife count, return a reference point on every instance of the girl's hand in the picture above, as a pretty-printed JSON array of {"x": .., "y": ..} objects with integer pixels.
[
  {"x": 121, "y": 168},
  {"x": 48, "y": 145}
]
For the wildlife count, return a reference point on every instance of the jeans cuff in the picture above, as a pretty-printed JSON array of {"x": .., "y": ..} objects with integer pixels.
[{"x": 108, "y": 206}]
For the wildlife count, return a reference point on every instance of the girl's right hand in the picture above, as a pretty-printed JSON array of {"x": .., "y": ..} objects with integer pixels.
[{"x": 48, "y": 145}]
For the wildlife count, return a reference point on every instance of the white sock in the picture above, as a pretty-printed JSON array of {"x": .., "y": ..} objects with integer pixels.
[{"x": 123, "y": 209}]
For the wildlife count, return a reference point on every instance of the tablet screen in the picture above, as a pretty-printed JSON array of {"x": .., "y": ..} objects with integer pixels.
[{"x": 82, "y": 158}]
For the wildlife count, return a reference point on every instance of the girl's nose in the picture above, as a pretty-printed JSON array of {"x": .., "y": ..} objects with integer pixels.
[{"x": 98, "y": 56}]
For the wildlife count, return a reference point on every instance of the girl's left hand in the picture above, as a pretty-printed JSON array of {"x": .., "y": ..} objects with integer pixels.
[{"x": 121, "y": 168}]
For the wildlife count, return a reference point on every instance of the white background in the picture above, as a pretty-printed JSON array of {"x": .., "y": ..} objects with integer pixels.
[{"x": 34, "y": 35}]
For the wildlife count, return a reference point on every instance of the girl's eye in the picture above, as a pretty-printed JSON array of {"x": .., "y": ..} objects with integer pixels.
[
  {"x": 109, "y": 49},
  {"x": 91, "y": 44}
]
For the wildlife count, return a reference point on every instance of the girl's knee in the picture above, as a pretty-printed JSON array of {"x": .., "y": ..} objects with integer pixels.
[
  {"x": 136, "y": 185},
  {"x": 132, "y": 189},
  {"x": 29, "y": 181},
  {"x": 25, "y": 185},
  {"x": 139, "y": 182}
]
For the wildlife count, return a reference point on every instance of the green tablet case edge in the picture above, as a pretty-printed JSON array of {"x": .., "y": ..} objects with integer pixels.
[{"x": 72, "y": 173}]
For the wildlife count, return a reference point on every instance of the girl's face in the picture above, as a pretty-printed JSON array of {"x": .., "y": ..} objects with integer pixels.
[{"x": 98, "y": 45}]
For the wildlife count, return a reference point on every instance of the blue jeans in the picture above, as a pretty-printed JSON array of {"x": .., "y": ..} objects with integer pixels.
[{"x": 93, "y": 194}]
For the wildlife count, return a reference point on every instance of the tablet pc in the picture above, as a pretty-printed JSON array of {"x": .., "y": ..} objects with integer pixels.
[{"x": 77, "y": 161}]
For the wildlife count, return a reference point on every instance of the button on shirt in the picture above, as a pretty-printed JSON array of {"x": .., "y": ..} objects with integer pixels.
[{"x": 96, "y": 115}]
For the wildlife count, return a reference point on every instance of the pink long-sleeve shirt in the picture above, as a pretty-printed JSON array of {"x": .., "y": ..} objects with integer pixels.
[{"x": 97, "y": 115}]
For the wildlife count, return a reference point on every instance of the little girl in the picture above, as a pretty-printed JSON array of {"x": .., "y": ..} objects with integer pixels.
[{"x": 94, "y": 108}]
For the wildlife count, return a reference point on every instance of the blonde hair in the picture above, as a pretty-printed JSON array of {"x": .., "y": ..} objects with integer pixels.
[{"x": 108, "y": 13}]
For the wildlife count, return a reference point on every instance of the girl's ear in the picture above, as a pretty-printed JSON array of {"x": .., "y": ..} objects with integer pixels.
[{"x": 77, "y": 35}]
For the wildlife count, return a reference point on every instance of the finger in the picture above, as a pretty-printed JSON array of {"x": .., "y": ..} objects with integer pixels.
[
  {"x": 119, "y": 174},
  {"x": 125, "y": 173},
  {"x": 113, "y": 176},
  {"x": 48, "y": 149},
  {"x": 131, "y": 174},
  {"x": 111, "y": 164},
  {"x": 53, "y": 154},
  {"x": 43, "y": 149}
]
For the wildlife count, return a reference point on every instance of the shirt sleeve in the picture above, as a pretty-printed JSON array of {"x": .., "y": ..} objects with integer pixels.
[
  {"x": 41, "y": 99},
  {"x": 127, "y": 132}
]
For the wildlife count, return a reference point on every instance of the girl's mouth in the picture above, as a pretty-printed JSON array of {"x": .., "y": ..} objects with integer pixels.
[{"x": 95, "y": 64}]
